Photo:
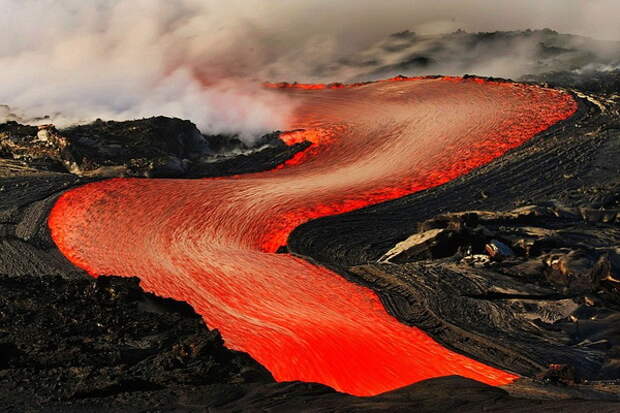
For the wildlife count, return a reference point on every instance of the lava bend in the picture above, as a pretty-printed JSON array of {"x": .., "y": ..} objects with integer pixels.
[{"x": 212, "y": 242}]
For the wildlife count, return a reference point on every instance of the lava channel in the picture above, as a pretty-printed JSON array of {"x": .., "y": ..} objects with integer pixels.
[{"x": 212, "y": 242}]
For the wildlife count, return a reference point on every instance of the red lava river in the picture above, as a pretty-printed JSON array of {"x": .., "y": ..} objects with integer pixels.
[{"x": 211, "y": 242}]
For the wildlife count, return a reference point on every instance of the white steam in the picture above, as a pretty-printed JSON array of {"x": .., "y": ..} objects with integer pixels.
[
  {"x": 204, "y": 60},
  {"x": 129, "y": 59}
]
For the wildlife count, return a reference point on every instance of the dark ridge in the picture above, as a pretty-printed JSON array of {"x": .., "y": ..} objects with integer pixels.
[
  {"x": 157, "y": 147},
  {"x": 591, "y": 81},
  {"x": 511, "y": 53}
]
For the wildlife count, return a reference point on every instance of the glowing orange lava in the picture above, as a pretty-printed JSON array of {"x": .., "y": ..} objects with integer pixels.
[{"x": 210, "y": 242}]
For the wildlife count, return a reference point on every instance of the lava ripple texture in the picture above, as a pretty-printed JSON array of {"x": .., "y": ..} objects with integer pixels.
[{"x": 212, "y": 242}]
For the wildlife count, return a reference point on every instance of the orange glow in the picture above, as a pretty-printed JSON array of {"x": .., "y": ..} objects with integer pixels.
[
  {"x": 210, "y": 242},
  {"x": 316, "y": 136}
]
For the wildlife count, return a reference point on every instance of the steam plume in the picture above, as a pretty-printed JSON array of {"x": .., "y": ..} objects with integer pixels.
[{"x": 204, "y": 59}]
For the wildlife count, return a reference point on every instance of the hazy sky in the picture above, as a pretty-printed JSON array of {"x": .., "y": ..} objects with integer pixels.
[
  {"x": 122, "y": 59},
  {"x": 597, "y": 18}
]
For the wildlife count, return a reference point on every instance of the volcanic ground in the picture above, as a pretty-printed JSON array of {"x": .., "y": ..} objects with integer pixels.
[{"x": 494, "y": 259}]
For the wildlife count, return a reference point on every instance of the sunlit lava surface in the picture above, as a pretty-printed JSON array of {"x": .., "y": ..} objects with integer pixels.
[{"x": 211, "y": 242}]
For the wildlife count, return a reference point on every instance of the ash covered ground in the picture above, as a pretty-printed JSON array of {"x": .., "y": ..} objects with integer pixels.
[{"x": 515, "y": 265}]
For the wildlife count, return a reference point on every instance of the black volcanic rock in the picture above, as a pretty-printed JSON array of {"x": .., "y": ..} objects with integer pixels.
[
  {"x": 72, "y": 341},
  {"x": 138, "y": 138},
  {"x": 158, "y": 147},
  {"x": 587, "y": 80},
  {"x": 505, "y": 277}
]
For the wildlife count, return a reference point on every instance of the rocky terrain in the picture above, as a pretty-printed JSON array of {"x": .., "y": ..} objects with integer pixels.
[
  {"x": 500, "y": 53},
  {"x": 515, "y": 264},
  {"x": 606, "y": 82},
  {"x": 103, "y": 345},
  {"x": 158, "y": 147}
]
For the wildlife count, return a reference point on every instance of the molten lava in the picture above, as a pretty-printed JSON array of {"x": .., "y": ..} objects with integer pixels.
[{"x": 210, "y": 242}]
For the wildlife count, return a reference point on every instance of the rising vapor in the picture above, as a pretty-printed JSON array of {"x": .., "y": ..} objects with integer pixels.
[{"x": 203, "y": 60}]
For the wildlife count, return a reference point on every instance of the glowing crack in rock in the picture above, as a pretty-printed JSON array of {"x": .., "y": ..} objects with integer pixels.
[{"x": 211, "y": 242}]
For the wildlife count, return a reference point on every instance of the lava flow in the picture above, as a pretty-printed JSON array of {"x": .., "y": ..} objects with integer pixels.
[{"x": 211, "y": 242}]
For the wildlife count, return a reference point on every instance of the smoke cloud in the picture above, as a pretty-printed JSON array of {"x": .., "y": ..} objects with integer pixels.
[
  {"x": 126, "y": 59},
  {"x": 204, "y": 60}
]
